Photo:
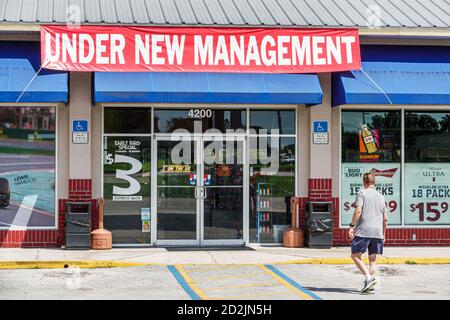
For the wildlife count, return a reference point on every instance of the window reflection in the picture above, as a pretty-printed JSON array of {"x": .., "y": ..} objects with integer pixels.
[
  {"x": 127, "y": 120},
  {"x": 427, "y": 137},
  {"x": 170, "y": 120},
  {"x": 270, "y": 193},
  {"x": 371, "y": 136},
  {"x": 281, "y": 120}
]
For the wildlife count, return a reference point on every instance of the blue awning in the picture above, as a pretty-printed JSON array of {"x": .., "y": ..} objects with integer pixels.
[
  {"x": 191, "y": 87},
  {"x": 16, "y": 74},
  {"x": 396, "y": 75}
]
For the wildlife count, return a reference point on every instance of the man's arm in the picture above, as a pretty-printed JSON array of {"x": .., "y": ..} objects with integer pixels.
[
  {"x": 385, "y": 222},
  {"x": 355, "y": 218}
]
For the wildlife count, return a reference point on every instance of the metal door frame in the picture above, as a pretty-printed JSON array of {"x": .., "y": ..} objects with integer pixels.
[{"x": 198, "y": 140}]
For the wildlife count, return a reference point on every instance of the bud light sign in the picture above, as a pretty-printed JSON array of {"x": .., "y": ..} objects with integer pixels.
[{"x": 387, "y": 182}]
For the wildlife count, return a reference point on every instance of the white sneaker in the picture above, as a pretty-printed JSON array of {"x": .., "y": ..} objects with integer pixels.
[{"x": 368, "y": 284}]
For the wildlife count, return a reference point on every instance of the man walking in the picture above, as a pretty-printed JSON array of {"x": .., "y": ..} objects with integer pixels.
[{"x": 368, "y": 229}]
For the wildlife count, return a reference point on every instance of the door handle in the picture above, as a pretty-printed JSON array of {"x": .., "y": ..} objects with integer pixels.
[
  {"x": 196, "y": 195},
  {"x": 204, "y": 193}
]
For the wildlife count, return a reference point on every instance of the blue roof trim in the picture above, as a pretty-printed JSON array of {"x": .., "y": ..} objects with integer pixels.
[
  {"x": 192, "y": 87},
  {"x": 19, "y": 63},
  {"x": 396, "y": 75}
]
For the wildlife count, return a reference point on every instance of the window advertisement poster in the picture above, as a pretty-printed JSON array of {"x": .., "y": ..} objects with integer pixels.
[
  {"x": 27, "y": 168},
  {"x": 126, "y": 187},
  {"x": 387, "y": 177},
  {"x": 427, "y": 193}
]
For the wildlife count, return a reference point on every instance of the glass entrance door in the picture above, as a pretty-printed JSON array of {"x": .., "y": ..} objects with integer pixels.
[{"x": 199, "y": 191}]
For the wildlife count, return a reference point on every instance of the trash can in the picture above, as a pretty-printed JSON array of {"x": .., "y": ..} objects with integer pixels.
[
  {"x": 319, "y": 224},
  {"x": 278, "y": 231},
  {"x": 78, "y": 225}
]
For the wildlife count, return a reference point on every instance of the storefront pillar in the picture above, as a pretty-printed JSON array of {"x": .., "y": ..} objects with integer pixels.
[
  {"x": 80, "y": 154},
  {"x": 319, "y": 186}
]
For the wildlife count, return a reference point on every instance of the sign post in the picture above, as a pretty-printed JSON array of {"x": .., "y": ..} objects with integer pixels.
[{"x": 80, "y": 132}]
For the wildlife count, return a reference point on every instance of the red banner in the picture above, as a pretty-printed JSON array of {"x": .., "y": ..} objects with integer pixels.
[{"x": 177, "y": 49}]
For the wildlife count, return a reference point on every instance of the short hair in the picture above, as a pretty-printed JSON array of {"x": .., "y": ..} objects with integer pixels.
[{"x": 369, "y": 178}]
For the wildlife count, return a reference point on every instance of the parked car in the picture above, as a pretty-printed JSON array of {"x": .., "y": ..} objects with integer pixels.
[{"x": 5, "y": 192}]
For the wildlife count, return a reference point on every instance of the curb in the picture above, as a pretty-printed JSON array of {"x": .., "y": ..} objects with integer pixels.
[
  {"x": 84, "y": 264},
  {"x": 336, "y": 261},
  {"x": 93, "y": 264}
]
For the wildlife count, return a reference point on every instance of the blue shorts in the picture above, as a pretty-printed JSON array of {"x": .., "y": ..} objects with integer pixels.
[{"x": 360, "y": 245}]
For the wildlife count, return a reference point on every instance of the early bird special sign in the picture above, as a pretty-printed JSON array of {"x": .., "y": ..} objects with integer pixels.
[{"x": 179, "y": 49}]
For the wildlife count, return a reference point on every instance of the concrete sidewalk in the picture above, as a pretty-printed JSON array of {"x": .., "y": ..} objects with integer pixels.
[{"x": 245, "y": 255}]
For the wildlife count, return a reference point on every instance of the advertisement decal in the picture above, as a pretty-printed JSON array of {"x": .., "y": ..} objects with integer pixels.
[
  {"x": 387, "y": 177},
  {"x": 427, "y": 193}
]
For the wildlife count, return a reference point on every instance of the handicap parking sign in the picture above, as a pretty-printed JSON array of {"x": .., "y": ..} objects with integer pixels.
[
  {"x": 320, "y": 126},
  {"x": 79, "y": 125},
  {"x": 80, "y": 132}
]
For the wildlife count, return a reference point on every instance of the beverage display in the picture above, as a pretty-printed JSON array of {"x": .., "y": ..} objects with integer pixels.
[{"x": 368, "y": 139}]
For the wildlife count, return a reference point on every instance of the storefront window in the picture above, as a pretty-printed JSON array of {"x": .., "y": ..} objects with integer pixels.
[
  {"x": 281, "y": 120},
  {"x": 271, "y": 187},
  {"x": 167, "y": 121},
  {"x": 27, "y": 167},
  {"x": 427, "y": 168},
  {"x": 371, "y": 142},
  {"x": 369, "y": 136},
  {"x": 126, "y": 183},
  {"x": 127, "y": 120}
]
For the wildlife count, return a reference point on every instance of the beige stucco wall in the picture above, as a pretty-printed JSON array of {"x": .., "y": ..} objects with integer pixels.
[
  {"x": 320, "y": 154},
  {"x": 335, "y": 139},
  {"x": 80, "y": 107},
  {"x": 63, "y": 151},
  {"x": 96, "y": 151},
  {"x": 303, "y": 150}
]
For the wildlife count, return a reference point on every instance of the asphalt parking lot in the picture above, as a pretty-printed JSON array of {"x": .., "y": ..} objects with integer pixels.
[{"x": 212, "y": 281}]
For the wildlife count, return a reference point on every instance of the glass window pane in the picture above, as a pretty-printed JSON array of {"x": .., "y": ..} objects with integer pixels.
[
  {"x": 271, "y": 187},
  {"x": 369, "y": 136},
  {"x": 126, "y": 188},
  {"x": 171, "y": 119},
  {"x": 371, "y": 142},
  {"x": 27, "y": 167},
  {"x": 127, "y": 120},
  {"x": 427, "y": 168},
  {"x": 281, "y": 120},
  {"x": 427, "y": 136}
]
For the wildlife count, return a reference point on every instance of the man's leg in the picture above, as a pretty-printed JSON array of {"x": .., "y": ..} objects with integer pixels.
[
  {"x": 372, "y": 264},
  {"x": 356, "y": 257}
]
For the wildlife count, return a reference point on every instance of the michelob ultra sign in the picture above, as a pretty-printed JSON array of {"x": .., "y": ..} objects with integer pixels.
[{"x": 179, "y": 49}]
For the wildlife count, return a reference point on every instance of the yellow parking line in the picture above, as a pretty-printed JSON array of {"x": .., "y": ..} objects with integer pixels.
[
  {"x": 251, "y": 285},
  {"x": 191, "y": 282},
  {"x": 218, "y": 267},
  {"x": 285, "y": 283},
  {"x": 252, "y": 295},
  {"x": 246, "y": 275}
]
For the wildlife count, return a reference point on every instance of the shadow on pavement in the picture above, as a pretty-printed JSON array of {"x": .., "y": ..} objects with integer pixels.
[
  {"x": 337, "y": 290},
  {"x": 209, "y": 249}
]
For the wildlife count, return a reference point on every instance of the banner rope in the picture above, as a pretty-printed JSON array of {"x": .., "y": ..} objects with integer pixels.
[
  {"x": 29, "y": 84},
  {"x": 378, "y": 87}
]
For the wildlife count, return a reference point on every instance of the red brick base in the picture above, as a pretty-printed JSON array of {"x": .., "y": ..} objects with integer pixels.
[
  {"x": 320, "y": 190},
  {"x": 79, "y": 190}
]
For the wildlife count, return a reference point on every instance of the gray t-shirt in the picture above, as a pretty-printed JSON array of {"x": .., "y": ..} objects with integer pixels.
[{"x": 370, "y": 223}]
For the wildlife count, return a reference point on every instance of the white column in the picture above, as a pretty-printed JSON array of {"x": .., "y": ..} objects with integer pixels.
[{"x": 80, "y": 107}]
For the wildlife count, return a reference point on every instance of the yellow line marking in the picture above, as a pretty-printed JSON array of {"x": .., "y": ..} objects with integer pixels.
[
  {"x": 381, "y": 260},
  {"x": 246, "y": 275},
  {"x": 85, "y": 264},
  {"x": 285, "y": 283},
  {"x": 218, "y": 267},
  {"x": 191, "y": 282},
  {"x": 251, "y": 285},
  {"x": 88, "y": 264},
  {"x": 252, "y": 295}
]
